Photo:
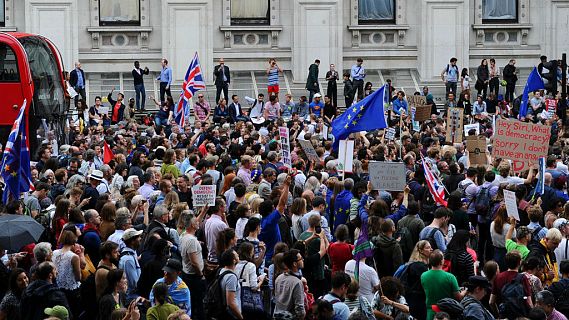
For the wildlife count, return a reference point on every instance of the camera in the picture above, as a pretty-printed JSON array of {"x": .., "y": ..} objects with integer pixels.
[{"x": 318, "y": 229}]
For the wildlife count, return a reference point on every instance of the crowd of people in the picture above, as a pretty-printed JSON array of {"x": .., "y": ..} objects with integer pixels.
[{"x": 124, "y": 240}]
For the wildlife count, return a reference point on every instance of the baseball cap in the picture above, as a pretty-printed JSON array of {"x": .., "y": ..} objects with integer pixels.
[
  {"x": 560, "y": 223},
  {"x": 131, "y": 233},
  {"x": 318, "y": 95},
  {"x": 58, "y": 312},
  {"x": 479, "y": 281},
  {"x": 173, "y": 266}
]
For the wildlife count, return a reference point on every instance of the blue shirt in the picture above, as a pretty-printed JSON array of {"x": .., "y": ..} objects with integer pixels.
[
  {"x": 398, "y": 105},
  {"x": 166, "y": 75},
  {"x": 179, "y": 293},
  {"x": 317, "y": 108},
  {"x": 129, "y": 263},
  {"x": 341, "y": 310},
  {"x": 287, "y": 109},
  {"x": 270, "y": 232},
  {"x": 302, "y": 109},
  {"x": 80, "y": 81},
  {"x": 274, "y": 77},
  {"x": 357, "y": 73}
]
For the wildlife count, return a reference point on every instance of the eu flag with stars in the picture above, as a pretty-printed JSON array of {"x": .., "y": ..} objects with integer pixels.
[
  {"x": 15, "y": 168},
  {"x": 534, "y": 83},
  {"x": 366, "y": 115}
]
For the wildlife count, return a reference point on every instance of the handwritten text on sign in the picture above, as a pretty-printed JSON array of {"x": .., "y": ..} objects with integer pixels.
[
  {"x": 203, "y": 195},
  {"x": 388, "y": 176},
  {"x": 521, "y": 142}
]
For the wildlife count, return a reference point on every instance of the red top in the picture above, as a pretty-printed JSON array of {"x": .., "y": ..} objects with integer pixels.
[
  {"x": 116, "y": 112},
  {"x": 340, "y": 253}
]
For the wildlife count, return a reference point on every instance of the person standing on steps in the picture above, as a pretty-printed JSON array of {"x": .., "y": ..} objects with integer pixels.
[
  {"x": 358, "y": 74},
  {"x": 312, "y": 80},
  {"x": 222, "y": 80},
  {"x": 137, "y": 76},
  {"x": 332, "y": 91},
  {"x": 165, "y": 79}
]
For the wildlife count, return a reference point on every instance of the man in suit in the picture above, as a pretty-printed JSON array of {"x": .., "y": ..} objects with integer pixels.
[
  {"x": 235, "y": 112},
  {"x": 332, "y": 92},
  {"x": 77, "y": 81},
  {"x": 312, "y": 80},
  {"x": 222, "y": 80}
]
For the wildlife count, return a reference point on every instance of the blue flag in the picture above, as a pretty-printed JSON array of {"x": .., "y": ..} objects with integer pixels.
[
  {"x": 366, "y": 115},
  {"x": 15, "y": 169},
  {"x": 535, "y": 82},
  {"x": 540, "y": 187}
]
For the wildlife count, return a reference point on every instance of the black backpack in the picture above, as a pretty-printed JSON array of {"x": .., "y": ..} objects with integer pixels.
[
  {"x": 514, "y": 303},
  {"x": 482, "y": 202},
  {"x": 535, "y": 236},
  {"x": 88, "y": 292},
  {"x": 431, "y": 238},
  {"x": 214, "y": 305},
  {"x": 405, "y": 241}
]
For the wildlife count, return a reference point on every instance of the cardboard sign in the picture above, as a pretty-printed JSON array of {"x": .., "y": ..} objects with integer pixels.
[
  {"x": 346, "y": 155},
  {"x": 422, "y": 111},
  {"x": 309, "y": 150},
  {"x": 324, "y": 132},
  {"x": 523, "y": 143},
  {"x": 390, "y": 134},
  {"x": 389, "y": 176},
  {"x": 454, "y": 125},
  {"x": 476, "y": 146},
  {"x": 511, "y": 204},
  {"x": 469, "y": 127},
  {"x": 104, "y": 110},
  {"x": 285, "y": 147},
  {"x": 203, "y": 195}
]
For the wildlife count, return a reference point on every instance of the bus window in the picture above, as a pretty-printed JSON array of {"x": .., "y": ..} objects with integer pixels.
[{"x": 8, "y": 64}]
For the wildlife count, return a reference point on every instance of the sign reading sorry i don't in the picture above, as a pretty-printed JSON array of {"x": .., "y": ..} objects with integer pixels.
[{"x": 523, "y": 143}]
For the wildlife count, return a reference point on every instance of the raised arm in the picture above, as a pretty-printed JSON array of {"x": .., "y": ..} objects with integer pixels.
[{"x": 284, "y": 195}]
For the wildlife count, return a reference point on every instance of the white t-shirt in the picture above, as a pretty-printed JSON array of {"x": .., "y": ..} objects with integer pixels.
[
  {"x": 509, "y": 180},
  {"x": 368, "y": 278}
]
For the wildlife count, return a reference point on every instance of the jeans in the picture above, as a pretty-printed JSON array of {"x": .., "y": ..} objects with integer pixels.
[
  {"x": 450, "y": 87},
  {"x": 198, "y": 288},
  {"x": 140, "y": 93},
  {"x": 163, "y": 91},
  {"x": 160, "y": 121}
]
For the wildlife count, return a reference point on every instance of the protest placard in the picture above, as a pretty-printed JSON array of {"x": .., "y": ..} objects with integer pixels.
[
  {"x": 389, "y": 176},
  {"x": 325, "y": 129},
  {"x": 422, "y": 112},
  {"x": 390, "y": 133},
  {"x": 285, "y": 147},
  {"x": 346, "y": 155},
  {"x": 511, "y": 204},
  {"x": 454, "y": 125},
  {"x": 521, "y": 142},
  {"x": 551, "y": 106},
  {"x": 474, "y": 126},
  {"x": 309, "y": 150},
  {"x": 203, "y": 195},
  {"x": 476, "y": 146},
  {"x": 104, "y": 110}
]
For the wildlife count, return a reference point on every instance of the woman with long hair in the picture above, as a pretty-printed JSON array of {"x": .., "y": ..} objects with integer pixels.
[
  {"x": 108, "y": 216},
  {"x": 121, "y": 174},
  {"x": 162, "y": 308},
  {"x": 10, "y": 305},
  {"x": 246, "y": 269},
  {"x": 61, "y": 216},
  {"x": 298, "y": 210},
  {"x": 498, "y": 230},
  {"x": 461, "y": 262},
  {"x": 331, "y": 205},
  {"x": 69, "y": 261},
  {"x": 226, "y": 239},
  {"x": 340, "y": 251},
  {"x": 169, "y": 165},
  {"x": 114, "y": 296},
  {"x": 418, "y": 264},
  {"x": 483, "y": 77},
  {"x": 242, "y": 213}
]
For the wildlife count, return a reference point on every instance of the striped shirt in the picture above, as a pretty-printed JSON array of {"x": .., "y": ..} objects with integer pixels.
[{"x": 274, "y": 76}]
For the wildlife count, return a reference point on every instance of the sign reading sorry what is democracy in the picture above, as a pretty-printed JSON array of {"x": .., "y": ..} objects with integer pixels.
[{"x": 523, "y": 143}]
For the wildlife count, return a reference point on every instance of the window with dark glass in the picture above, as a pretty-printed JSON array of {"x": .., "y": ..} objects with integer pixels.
[
  {"x": 2, "y": 13},
  {"x": 8, "y": 64},
  {"x": 499, "y": 11},
  {"x": 119, "y": 12},
  {"x": 376, "y": 11},
  {"x": 248, "y": 12}
]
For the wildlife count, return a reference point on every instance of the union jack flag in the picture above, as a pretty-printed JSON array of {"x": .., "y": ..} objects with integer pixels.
[
  {"x": 435, "y": 187},
  {"x": 15, "y": 169},
  {"x": 193, "y": 82}
]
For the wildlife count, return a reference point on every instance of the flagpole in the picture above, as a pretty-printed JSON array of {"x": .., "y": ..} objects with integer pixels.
[{"x": 401, "y": 137}]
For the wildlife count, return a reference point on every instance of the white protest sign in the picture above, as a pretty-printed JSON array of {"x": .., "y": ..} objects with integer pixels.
[
  {"x": 104, "y": 110},
  {"x": 390, "y": 134},
  {"x": 511, "y": 204},
  {"x": 468, "y": 127},
  {"x": 389, "y": 176},
  {"x": 285, "y": 146},
  {"x": 324, "y": 132},
  {"x": 203, "y": 195},
  {"x": 346, "y": 156}
]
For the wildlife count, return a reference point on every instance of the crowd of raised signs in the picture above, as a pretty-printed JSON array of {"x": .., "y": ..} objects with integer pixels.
[{"x": 448, "y": 213}]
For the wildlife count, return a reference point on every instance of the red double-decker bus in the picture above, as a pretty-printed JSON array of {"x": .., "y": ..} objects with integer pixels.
[{"x": 31, "y": 68}]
